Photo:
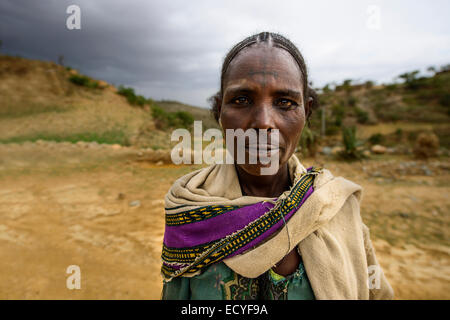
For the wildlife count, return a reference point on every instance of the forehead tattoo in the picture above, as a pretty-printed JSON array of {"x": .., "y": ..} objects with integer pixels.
[{"x": 264, "y": 72}]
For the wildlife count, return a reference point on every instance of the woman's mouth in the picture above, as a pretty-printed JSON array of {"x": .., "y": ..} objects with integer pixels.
[{"x": 262, "y": 147}]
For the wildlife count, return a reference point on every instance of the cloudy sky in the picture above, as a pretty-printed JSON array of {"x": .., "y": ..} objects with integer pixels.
[{"x": 173, "y": 49}]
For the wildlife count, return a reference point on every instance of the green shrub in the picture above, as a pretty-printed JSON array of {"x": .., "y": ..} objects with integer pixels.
[
  {"x": 351, "y": 144},
  {"x": 185, "y": 118},
  {"x": 411, "y": 81},
  {"x": 164, "y": 119},
  {"x": 444, "y": 100},
  {"x": 338, "y": 112},
  {"x": 351, "y": 101},
  {"x": 308, "y": 142},
  {"x": 361, "y": 115},
  {"x": 132, "y": 98},
  {"x": 391, "y": 86},
  {"x": 83, "y": 81},
  {"x": 368, "y": 84},
  {"x": 376, "y": 138}
]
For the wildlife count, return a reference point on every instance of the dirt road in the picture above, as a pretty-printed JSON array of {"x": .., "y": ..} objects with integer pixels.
[{"x": 98, "y": 208}]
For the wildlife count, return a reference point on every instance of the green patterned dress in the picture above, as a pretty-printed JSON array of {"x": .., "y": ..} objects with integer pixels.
[{"x": 219, "y": 282}]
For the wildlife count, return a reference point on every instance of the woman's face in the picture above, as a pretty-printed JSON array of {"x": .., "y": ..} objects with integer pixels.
[{"x": 262, "y": 89}]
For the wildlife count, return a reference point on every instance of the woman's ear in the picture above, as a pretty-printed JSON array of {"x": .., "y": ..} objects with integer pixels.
[
  {"x": 219, "y": 109},
  {"x": 219, "y": 104},
  {"x": 309, "y": 106}
]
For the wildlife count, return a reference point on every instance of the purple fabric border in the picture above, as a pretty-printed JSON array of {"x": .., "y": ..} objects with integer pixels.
[
  {"x": 193, "y": 234},
  {"x": 197, "y": 233},
  {"x": 268, "y": 233},
  {"x": 274, "y": 228}
]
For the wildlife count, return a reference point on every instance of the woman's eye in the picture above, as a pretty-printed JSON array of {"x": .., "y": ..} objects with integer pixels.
[
  {"x": 286, "y": 103},
  {"x": 241, "y": 100}
]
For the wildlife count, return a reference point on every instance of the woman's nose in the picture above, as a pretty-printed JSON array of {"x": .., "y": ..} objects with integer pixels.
[{"x": 262, "y": 116}]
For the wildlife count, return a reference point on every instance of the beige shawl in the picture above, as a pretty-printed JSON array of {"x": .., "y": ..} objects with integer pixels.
[{"x": 334, "y": 243}]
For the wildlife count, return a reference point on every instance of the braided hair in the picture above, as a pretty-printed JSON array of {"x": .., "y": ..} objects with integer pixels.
[{"x": 275, "y": 40}]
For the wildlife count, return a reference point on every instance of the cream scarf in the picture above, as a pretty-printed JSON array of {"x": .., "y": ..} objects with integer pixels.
[{"x": 333, "y": 241}]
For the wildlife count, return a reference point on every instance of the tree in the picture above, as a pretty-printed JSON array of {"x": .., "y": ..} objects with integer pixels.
[
  {"x": 431, "y": 69},
  {"x": 410, "y": 79},
  {"x": 445, "y": 68}
]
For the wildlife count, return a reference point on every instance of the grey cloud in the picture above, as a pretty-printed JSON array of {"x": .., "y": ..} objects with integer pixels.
[{"x": 174, "y": 49}]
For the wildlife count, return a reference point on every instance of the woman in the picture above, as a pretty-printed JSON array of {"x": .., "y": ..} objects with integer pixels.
[{"x": 234, "y": 233}]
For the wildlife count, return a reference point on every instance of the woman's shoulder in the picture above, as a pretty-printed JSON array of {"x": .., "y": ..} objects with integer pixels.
[
  {"x": 335, "y": 198},
  {"x": 335, "y": 186}
]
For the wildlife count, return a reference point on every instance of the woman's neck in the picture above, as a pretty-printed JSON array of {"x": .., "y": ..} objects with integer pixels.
[{"x": 264, "y": 186}]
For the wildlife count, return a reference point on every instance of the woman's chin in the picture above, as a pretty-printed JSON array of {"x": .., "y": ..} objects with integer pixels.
[{"x": 260, "y": 169}]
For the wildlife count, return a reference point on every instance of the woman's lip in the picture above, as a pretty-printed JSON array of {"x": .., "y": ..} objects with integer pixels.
[{"x": 262, "y": 147}]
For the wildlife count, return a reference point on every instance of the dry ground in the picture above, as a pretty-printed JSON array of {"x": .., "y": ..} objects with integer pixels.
[{"x": 62, "y": 205}]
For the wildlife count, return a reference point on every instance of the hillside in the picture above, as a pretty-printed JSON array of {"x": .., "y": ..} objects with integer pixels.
[
  {"x": 45, "y": 101},
  {"x": 40, "y": 102},
  {"x": 392, "y": 116}
]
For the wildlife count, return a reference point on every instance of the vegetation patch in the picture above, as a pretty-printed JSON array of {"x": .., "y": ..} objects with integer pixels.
[
  {"x": 10, "y": 112},
  {"x": 107, "y": 137},
  {"x": 177, "y": 119},
  {"x": 132, "y": 97},
  {"x": 83, "y": 81}
]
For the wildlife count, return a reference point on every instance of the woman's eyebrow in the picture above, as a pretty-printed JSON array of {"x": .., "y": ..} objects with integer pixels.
[
  {"x": 238, "y": 90},
  {"x": 288, "y": 92}
]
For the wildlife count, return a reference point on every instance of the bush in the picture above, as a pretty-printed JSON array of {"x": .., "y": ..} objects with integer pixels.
[
  {"x": 308, "y": 142},
  {"x": 132, "y": 98},
  {"x": 444, "y": 100},
  {"x": 361, "y": 115},
  {"x": 185, "y": 118},
  {"x": 391, "y": 86},
  {"x": 376, "y": 138},
  {"x": 411, "y": 81},
  {"x": 164, "y": 119},
  {"x": 83, "y": 81},
  {"x": 427, "y": 145},
  {"x": 338, "y": 112},
  {"x": 351, "y": 101},
  {"x": 351, "y": 144},
  {"x": 368, "y": 84}
]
